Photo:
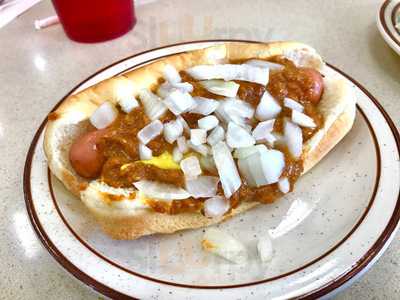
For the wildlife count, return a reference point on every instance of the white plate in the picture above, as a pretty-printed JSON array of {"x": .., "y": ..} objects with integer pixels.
[
  {"x": 385, "y": 19},
  {"x": 341, "y": 217}
]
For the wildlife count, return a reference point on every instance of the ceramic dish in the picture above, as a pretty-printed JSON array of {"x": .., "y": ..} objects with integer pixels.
[
  {"x": 335, "y": 225},
  {"x": 386, "y": 21}
]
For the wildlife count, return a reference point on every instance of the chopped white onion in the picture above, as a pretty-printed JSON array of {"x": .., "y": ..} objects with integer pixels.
[
  {"x": 205, "y": 106},
  {"x": 244, "y": 152},
  {"x": 292, "y": 104},
  {"x": 168, "y": 87},
  {"x": 227, "y": 170},
  {"x": 128, "y": 104},
  {"x": 182, "y": 145},
  {"x": 207, "y": 163},
  {"x": 302, "y": 119},
  {"x": 264, "y": 64},
  {"x": 220, "y": 87},
  {"x": 268, "y": 108},
  {"x": 179, "y": 102},
  {"x": 150, "y": 131},
  {"x": 216, "y": 135},
  {"x": 208, "y": 123},
  {"x": 171, "y": 74},
  {"x": 216, "y": 206},
  {"x": 198, "y": 136},
  {"x": 228, "y": 72},
  {"x": 293, "y": 138},
  {"x": 202, "y": 186},
  {"x": 263, "y": 130},
  {"x": 202, "y": 149},
  {"x": 172, "y": 130},
  {"x": 238, "y": 137},
  {"x": 161, "y": 191},
  {"x": 177, "y": 155},
  {"x": 235, "y": 110},
  {"x": 124, "y": 96},
  {"x": 191, "y": 167},
  {"x": 264, "y": 247},
  {"x": 104, "y": 115},
  {"x": 284, "y": 185},
  {"x": 263, "y": 167},
  {"x": 145, "y": 152},
  {"x": 153, "y": 105},
  {"x": 221, "y": 243},
  {"x": 270, "y": 139},
  {"x": 185, "y": 125}
]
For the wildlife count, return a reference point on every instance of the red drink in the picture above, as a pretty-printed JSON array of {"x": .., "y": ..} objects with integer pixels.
[{"x": 91, "y": 21}]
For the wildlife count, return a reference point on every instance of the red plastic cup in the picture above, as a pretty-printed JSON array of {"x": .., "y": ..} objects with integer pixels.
[{"x": 91, "y": 21}]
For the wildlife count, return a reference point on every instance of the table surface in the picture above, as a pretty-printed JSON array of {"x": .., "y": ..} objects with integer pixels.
[{"x": 37, "y": 68}]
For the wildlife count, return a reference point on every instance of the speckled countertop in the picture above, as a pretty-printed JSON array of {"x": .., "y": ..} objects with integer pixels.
[{"x": 38, "y": 67}]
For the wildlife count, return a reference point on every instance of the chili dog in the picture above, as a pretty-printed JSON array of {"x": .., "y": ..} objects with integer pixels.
[{"x": 195, "y": 138}]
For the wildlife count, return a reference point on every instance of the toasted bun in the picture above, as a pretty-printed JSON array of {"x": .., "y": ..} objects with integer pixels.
[{"x": 130, "y": 219}]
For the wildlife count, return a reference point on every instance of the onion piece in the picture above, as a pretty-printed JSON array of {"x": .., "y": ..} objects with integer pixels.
[
  {"x": 208, "y": 123},
  {"x": 216, "y": 206},
  {"x": 128, "y": 104},
  {"x": 237, "y": 137},
  {"x": 179, "y": 102},
  {"x": 216, "y": 135},
  {"x": 244, "y": 152},
  {"x": 220, "y": 87},
  {"x": 185, "y": 125},
  {"x": 293, "y": 138},
  {"x": 191, "y": 167},
  {"x": 302, "y": 119},
  {"x": 205, "y": 106},
  {"x": 207, "y": 163},
  {"x": 221, "y": 243},
  {"x": 264, "y": 247},
  {"x": 262, "y": 167},
  {"x": 153, "y": 105},
  {"x": 168, "y": 87},
  {"x": 264, "y": 64},
  {"x": 270, "y": 139},
  {"x": 227, "y": 170},
  {"x": 182, "y": 145},
  {"x": 202, "y": 186},
  {"x": 172, "y": 130},
  {"x": 263, "y": 130},
  {"x": 268, "y": 108},
  {"x": 198, "y": 136},
  {"x": 202, "y": 149},
  {"x": 284, "y": 185},
  {"x": 171, "y": 74},
  {"x": 161, "y": 191},
  {"x": 228, "y": 72},
  {"x": 177, "y": 155},
  {"x": 150, "y": 131},
  {"x": 145, "y": 153},
  {"x": 292, "y": 104},
  {"x": 104, "y": 115},
  {"x": 124, "y": 96},
  {"x": 235, "y": 110}
]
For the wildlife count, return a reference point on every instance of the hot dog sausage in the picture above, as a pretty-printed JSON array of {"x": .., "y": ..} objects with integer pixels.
[
  {"x": 313, "y": 84},
  {"x": 84, "y": 155}
]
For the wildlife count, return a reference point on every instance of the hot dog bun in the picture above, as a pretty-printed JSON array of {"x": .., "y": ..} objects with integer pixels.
[{"x": 128, "y": 219}]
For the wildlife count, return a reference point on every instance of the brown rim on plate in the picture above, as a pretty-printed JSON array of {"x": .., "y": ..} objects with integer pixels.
[
  {"x": 315, "y": 260},
  {"x": 393, "y": 16},
  {"x": 358, "y": 267},
  {"x": 383, "y": 21}
]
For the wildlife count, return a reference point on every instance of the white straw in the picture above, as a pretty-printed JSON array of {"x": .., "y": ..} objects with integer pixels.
[{"x": 46, "y": 22}]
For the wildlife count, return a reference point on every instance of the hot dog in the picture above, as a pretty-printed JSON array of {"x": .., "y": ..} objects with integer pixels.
[
  {"x": 249, "y": 122},
  {"x": 85, "y": 156}
]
